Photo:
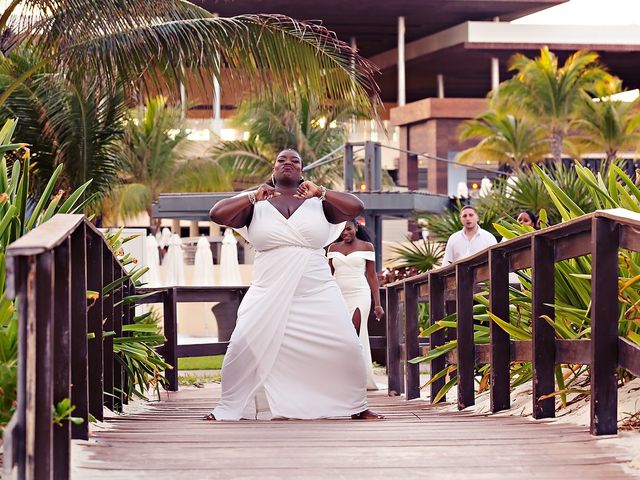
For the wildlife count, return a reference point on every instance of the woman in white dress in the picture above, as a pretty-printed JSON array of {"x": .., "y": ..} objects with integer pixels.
[
  {"x": 352, "y": 261},
  {"x": 293, "y": 353}
]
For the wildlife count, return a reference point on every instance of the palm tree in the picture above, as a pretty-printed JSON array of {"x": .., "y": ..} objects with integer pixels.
[
  {"x": 608, "y": 125},
  {"x": 313, "y": 127},
  {"x": 150, "y": 164},
  {"x": 74, "y": 123},
  {"x": 504, "y": 138},
  {"x": 549, "y": 95},
  {"x": 161, "y": 42}
]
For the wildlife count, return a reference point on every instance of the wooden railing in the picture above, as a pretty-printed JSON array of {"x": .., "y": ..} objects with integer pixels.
[
  {"x": 169, "y": 297},
  {"x": 62, "y": 352},
  {"x": 451, "y": 289}
]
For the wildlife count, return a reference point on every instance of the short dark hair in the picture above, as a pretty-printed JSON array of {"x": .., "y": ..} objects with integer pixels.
[{"x": 465, "y": 207}]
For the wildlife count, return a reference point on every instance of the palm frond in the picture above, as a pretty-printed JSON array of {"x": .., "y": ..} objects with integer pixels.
[{"x": 161, "y": 42}]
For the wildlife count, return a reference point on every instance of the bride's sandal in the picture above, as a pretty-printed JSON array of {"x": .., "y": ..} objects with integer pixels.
[
  {"x": 367, "y": 415},
  {"x": 209, "y": 417}
]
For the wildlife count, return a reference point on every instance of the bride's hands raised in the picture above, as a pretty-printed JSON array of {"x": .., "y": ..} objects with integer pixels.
[
  {"x": 265, "y": 192},
  {"x": 308, "y": 189}
]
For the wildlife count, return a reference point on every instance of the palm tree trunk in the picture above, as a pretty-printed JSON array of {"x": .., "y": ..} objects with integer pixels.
[{"x": 556, "y": 140}]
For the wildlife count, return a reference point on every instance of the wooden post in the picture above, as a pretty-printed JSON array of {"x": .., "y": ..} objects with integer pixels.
[
  {"x": 118, "y": 294},
  {"x": 171, "y": 335},
  {"x": 543, "y": 345},
  {"x": 437, "y": 339},
  {"x": 394, "y": 362},
  {"x": 500, "y": 346},
  {"x": 466, "y": 346},
  {"x": 79, "y": 328},
  {"x": 411, "y": 345},
  {"x": 62, "y": 355},
  {"x": 107, "y": 315},
  {"x": 40, "y": 446},
  {"x": 605, "y": 241},
  {"x": 94, "y": 283}
]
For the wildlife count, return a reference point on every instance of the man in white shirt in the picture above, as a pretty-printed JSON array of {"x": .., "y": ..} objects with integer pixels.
[{"x": 471, "y": 239}]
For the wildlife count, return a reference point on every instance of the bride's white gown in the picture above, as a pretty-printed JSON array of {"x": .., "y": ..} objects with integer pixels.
[
  {"x": 294, "y": 352},
  {"x": 349, "y": 272}
]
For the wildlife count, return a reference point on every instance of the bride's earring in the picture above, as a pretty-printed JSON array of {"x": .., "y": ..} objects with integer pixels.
[{"x": 273, "y": 180}]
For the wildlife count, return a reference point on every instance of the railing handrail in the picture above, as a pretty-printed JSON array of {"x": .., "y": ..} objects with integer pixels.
[
  {"x": 46, "y": 236},
  {"x": 601, "y": 234}
]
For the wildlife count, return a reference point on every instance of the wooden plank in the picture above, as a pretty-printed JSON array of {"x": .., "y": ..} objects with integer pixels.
[
  {"x": 436, "y": 313},
  {"x": 629, "y": 356},
  {"x": 394, "y": 365},
  {"x": 573, "y": 246},
  {"x": 61, "y": 353},
  {"x": 543, "y": 333},
  {"x": 79, "y": 329},
  {"x": 201, "y": 349},
  {"x": 630, "y": 237},
  {"x": 573, "y": 351},
  {"x": 46, "y": 236},
  {"x": 171, "y": 335},
  {"x": 108, "y": 326},
  {"x": 466, "y": 346},
  {"x": 604, "y": 327},
  {"x": 500, "y": 346},
  {"x": 40, "y": 457},
  {"x": 414, "y": 438},
  {"x": 412, "y": 348},
  {"x": 94, "y": 282},
  {"x": 521, "y": 351}
]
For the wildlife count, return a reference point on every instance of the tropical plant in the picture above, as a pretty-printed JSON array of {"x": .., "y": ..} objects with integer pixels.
[
  {"x": 525, "y": 190},
  {"x": 421, "y": 255},
  {"x": 150, "y": 164},
  {"x": 76, "y": 124},
  {"x": 136, "y": 350},
  {"x": 17, "y": 217},
  {"x": 442, "y": 226},
  {"x": 611, "y": 189},
  {"x": 312, "y": 126},
  {"x": 162, "y": 42},
  {"x": 607, "y": 125},
  {"x": 503, "y": 138},
  {"x": 548, "y": 94}
]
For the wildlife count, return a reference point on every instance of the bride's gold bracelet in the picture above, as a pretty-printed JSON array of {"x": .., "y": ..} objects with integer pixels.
[
  {"x": 252, "y": 198},
  {"x": 323, "y": 195}
]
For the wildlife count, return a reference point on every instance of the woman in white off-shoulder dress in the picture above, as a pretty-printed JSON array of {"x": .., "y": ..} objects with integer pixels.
[
  {"x": 293, "y": 353},
  {"x": 352, "y": 261}
]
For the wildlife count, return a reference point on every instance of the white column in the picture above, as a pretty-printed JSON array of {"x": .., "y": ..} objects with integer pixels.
[
  {"x": 194, "y": 230},
  {"x": 495, "y": 73},
  {"x": 402, "y": 94},
  {"x": 214, "y": 229},
  {"x": 183, "y": 102},
  {"x": 217, "y": 106},
  {"x": 440, "y": 79},
  {"x": 175, "y": 226}
]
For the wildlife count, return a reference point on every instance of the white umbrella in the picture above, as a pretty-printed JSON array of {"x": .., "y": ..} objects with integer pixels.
[
  {"x": 463, "y": 190},
  {"x": 203, "y": 263},
  {"x": 164, "y": 238},
  {"x": 229, "y": 268},
  {"x": 152, "y": 259},
  {"x": 174, "y": 263},
  {"x": 485, "y": 187}
]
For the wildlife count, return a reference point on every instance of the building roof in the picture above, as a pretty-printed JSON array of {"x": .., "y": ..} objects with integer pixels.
[
  {"x": 374, "y": 22},
  {"x": 463, "y": 55}
]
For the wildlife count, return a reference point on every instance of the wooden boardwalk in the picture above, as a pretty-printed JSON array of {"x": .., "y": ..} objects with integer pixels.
[{"x": 170, "y": 441}]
